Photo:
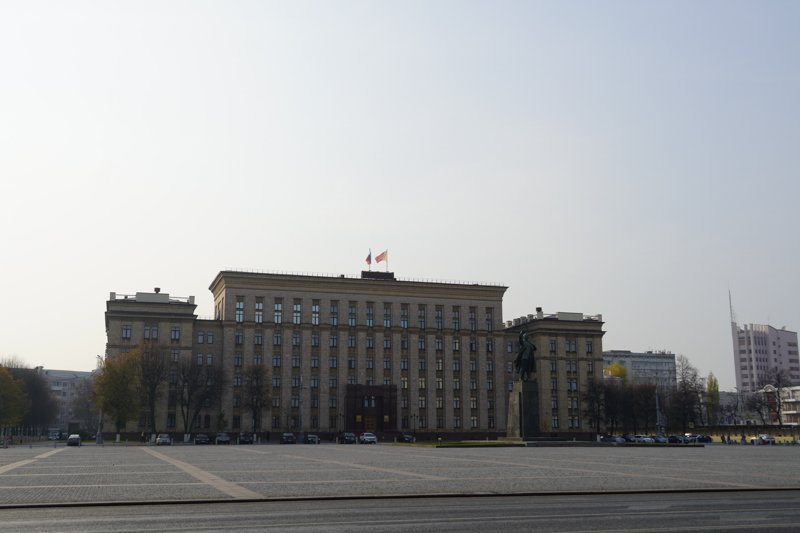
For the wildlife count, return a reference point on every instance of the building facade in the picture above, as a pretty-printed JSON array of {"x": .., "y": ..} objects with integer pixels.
[
  {"x": 69, "y": 387},
  {"x": 568, "y": 358},
  {"x": 369, "y": 353},
  {"x": 759, "y": 350},
  {"x": 645, "y": 367}
]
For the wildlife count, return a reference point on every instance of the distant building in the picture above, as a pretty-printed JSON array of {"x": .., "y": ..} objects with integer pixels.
[
  {"x": 645, "y": 367},
  {"x": 67, "y": 387},
  {"x": 759, "y": 349}
]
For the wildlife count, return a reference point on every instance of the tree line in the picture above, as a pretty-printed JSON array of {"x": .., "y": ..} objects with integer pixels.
[
  {"x": 25, "y": 397},
  {"x": 132, "y": 385}
]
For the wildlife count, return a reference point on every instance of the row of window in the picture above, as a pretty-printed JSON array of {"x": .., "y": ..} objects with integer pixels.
[{"x": 369, "y": 318}]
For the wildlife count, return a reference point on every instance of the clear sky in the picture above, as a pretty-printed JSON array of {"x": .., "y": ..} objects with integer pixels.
[{"x": 635, "y": 159}]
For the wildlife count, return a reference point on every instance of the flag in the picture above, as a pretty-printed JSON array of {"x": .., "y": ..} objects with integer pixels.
[
  {"x": 382, "y": 257},
  {"x": 369, "y": 258}
]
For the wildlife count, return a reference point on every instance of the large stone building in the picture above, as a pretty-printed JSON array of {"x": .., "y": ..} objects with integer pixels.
[
  {"x": 70, "y": 388},
  {"x": 759, "y": 350},
  {"x": 372, "y": 353}
]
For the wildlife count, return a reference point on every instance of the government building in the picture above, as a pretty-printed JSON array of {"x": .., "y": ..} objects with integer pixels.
[{"x": 369, "y": 353}]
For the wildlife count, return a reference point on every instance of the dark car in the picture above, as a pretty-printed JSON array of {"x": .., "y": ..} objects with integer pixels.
[
  {"x": 312, "y": 439},
  {"x": 223, "y": 438},
  {"x": 202, "y": 438},
  {"x": 405, "y": 437},
  {"x": 288, "y": 438},
  {"x": 74, "y": 440},
  {"x": 348, "y": 438},
  {"x": 246, "y": 438}
]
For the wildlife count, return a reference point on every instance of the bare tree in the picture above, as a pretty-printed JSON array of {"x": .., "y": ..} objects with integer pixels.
[
  {"x": 780, "y": 379},
  {"x": 255, "y": 396},
  {"x": 685, "y": 401},
  {"x": 153, "y": 369},
  {"x": 197, "y": 387}
]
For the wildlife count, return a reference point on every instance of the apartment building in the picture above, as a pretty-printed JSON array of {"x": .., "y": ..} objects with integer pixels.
[{"x": 760, "y": 349}]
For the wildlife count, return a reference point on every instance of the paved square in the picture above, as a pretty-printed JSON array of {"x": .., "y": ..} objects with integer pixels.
[{"x": 110, "y": 473}]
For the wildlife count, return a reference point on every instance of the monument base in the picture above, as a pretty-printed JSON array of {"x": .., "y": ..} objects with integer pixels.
[{"x": 523, "y": 411}]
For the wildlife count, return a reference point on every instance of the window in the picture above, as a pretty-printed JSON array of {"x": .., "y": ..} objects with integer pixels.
[
  {"x": 456, "y": 402},
  {"x": 456, "y": 344},
  {"x": 456, "y": 319},
  {"x": 276, "y": 361},
  {"x": 552, "y": 345},
  {"x": 174, "y": 354},
  {"x": 403, "y": 364},
  {"x": 277, "y": 339},
  {"x": 489, "y": 345},
  {"x": 554, "y": 422},
  {"x": 370, "y": 316},
  {"x": 199, "y": 359},
  {"x": 439, "y": 383},
  {"x": 334, "y": 318},
  {"x": 259, "y": 312},
  {"x": 489, "y": 319},
  {"x": 473, "y": 345},
  {"x": 257, "y": 360},
  {"x": 473, "y": 402},
  {"x": 421, "y": 364},
  {"x": 439, "y": 344},
  {"x": 315, "y": 362},
  {"x": 333, "y": 362},
  {"x": 295, "y": 361},
  {"x": 332, "y": 383},
  {"x": 457, "y": 422},
  {"x": 296, "y": 314},
  {"x": 509, "y": 347},
  {"x": 590, "y": 367},
  {"x": 421, "y": 343},
  {"x": 553, "y": 385},
  {"x": 370, "y": 342},
  {"x": 276, "y": 381},
  {"x": 332, "y": 403},
  {"x": 404, "y": 317},
  {"x": 315, "y": 340},
  {"x": 387, "y": 364},
  {"x": 387, "y": 342},
  {"x": 333, "y": 340},
  {"x": 258, "y": 339},
  {"x": 278, "y": 313},
  {"x": 175, "y": 334},
  {"x": 421, "y": 318},
  {"x": 209, "y": 359},
  {"x": 473, "y": 322},
  {"x": 473, "y": 420},
  {"x": 151, "y": 332},
  {"x": 439, "y": 319},
  {"x": 351, "y": 380},
  {"x": 210, "y": 337},
  {"x": 201, "y": 337},
  {"x": 571, "y": 345},
  {"x": 295, "y": 339},
  {"x": 456, "y": 365},
  {"x": 403, "y": 383},
  {"x": 473, "y": 365},
  {"x": 473, "y": 384},
  {"x": 404, "y": 343},
  {"x": 237, "y": 380},
  {"x": 351, "y": 363},
  {"x": 387, "y": 316},
  {"x": 553, "y": 366},
  {"x": 351, "y": 341},
  {"x": 239, "y": 309},
  {"x": 422, "y": 402},
  {"x": 276, "y": 401},
  {"x": 370, "y": 362},
  {"x": 489, "y": 365},
  {"x": 490, "y": 384},
  {"x": 589, "y": 346},
  {"x": 439, "y": 364},
  {"x": 351, "y": 316},
  {"x": 237, "y": 360},
  {"x": 456, "y": 383},
  {"x": 238, "y": 338},
  {"x": 315, "y": 314},
  {"x": 295, "y": 381}
]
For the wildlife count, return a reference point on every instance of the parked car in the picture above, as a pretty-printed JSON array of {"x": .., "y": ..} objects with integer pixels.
[
  {"x": 163, "y": 440},
  {"x": 643, "y": 439},
  {"x": 288, "y": 438},
  {"x": 202, "y": 438},
  {"x": 676, "y": 439},
  {"x": 659, "y": 439},
  {"x": 223, "y": 438},
  {"x": 347, "y": 438},
  {"x": 246, "y": 438},
  {"x": 74, "y": 440},
  {"x": 406, "y": 437},
  {"x": 612, "y": 438},
  {"x": 367, "y": 438},
  {"x": 762, "y": 439},
  {"x": 312, "y": 439}
]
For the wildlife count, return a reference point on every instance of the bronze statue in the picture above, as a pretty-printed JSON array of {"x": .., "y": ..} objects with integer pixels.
[{"x": 524, "y": 364}]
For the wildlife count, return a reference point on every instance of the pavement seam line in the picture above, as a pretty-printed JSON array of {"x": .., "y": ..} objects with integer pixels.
[
  {"x": 222, "y": 485},
  {"x": 363, "y": 467},
  {"x": 13, "y": 466}
]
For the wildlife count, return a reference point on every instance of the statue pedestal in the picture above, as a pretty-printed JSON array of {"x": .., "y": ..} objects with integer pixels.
[{"x": 523, "y": 410}]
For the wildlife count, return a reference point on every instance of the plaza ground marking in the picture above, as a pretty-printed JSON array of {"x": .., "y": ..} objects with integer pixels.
[
  {"x": 222, "y": 485},
  {"x": 12, "y": 466}
]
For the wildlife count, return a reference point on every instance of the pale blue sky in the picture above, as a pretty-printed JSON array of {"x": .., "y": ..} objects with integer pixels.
[{"x": 635, "y": 159}]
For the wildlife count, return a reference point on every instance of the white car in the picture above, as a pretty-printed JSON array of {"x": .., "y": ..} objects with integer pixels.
[
  {"x": 368, "y": 438},
  {"x": 163, "y": 440}
]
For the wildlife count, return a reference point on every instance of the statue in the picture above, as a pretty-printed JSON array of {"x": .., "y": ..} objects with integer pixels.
[{"x": 524, "y": 363}]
